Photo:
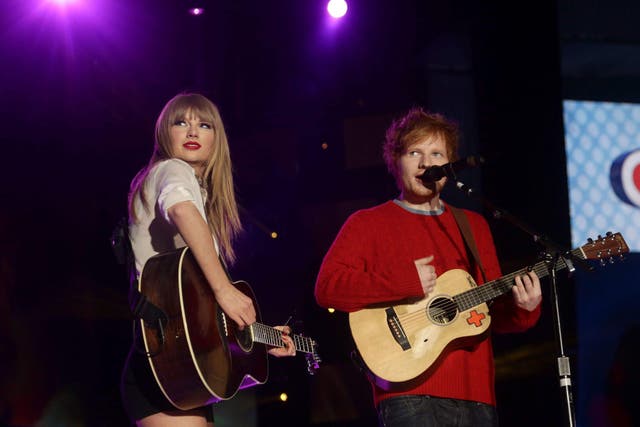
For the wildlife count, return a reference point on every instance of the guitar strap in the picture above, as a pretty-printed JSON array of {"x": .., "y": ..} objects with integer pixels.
[
  {"x": 139, "y": 306},
  {"x": 465, "y": 230}
]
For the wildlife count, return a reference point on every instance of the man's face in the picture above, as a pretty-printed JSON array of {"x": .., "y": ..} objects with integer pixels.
[{"x": 431, "y": 151}]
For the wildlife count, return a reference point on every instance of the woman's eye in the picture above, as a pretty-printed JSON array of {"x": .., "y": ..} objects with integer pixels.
[
  {"x": 180, "y": 123},
  {"x": 206, "y": 125}
]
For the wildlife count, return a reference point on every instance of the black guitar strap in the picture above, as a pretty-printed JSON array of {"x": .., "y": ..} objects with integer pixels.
[
  {"x": 465, "y": 230},
  {"x": 139, "y": 306}
]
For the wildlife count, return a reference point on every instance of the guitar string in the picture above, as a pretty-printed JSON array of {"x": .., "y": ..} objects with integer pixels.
[
  {"x": 602, "y": 253},
  {"x": 273, "y": 336},
  {"x": 484, "y": 292},
  {"x": 408, "y": 320}
]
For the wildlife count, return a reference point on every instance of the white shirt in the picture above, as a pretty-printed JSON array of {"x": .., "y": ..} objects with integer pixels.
[{"x": 169, "y": 182}]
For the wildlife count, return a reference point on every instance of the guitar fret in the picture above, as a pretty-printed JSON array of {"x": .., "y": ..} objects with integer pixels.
[
  {"x": 271, "y": 336},
  {"x": 495, "y": 288}
]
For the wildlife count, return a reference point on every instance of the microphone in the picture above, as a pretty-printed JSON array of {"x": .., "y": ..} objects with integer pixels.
[{"x": 435, "y": 173}]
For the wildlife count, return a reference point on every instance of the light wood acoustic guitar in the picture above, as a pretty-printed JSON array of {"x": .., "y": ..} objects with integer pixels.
[
  {"x": 198, "y": 355},
  {"x": 400, "y": 343}
]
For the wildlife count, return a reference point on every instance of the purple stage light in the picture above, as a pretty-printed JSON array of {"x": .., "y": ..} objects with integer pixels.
[
  {"x": 63, "y": 2},
  {"x": 337, "y": 8},
  {"x": 196, "y": 11}
]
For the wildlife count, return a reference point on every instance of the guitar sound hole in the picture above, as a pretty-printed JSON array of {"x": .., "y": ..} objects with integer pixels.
[
  {"x": 243, "y": 337},
  {"x": 442, "y": 311}
]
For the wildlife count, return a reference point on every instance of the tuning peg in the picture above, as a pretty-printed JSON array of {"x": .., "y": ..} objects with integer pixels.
[
  {"x": 602, "y": 262},
  {"x": 313, "y": 363},
  {"x": 590, "y": 241},
  {"x": 609, "y": 234}
]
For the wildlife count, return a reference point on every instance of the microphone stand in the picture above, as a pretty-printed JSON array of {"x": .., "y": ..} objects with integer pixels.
[{"x": 554, "y": 255}]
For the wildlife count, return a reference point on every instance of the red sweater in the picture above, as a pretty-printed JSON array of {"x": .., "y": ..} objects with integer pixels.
[{"x": 372, "y": 261}]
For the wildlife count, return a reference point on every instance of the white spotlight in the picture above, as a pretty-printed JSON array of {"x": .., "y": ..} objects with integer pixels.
[{"x": 337, "y": 8}]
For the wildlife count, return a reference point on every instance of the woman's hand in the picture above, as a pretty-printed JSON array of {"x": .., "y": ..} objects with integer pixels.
[
  {"x": 289, "y": 349},
  {"x": 236, "y": 305}
]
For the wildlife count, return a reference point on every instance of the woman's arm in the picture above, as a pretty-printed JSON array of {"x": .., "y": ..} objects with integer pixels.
[{"x": 196, "y": 234}]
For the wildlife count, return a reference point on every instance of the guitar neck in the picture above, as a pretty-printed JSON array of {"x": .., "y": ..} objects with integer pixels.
[
  {"x": 495, "y": 288},
  {"x": 271, "y": 336}
]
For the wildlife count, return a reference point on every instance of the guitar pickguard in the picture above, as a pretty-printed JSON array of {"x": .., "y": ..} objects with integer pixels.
[{"x": 475, "y": 318}]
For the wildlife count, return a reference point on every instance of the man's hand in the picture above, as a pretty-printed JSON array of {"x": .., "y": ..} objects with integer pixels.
[
  {"x": 527, "y": 292},
  {"x": 427, "y": 274}
]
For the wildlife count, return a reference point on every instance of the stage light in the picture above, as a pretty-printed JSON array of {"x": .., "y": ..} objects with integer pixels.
[
  {"x": 196, "y": 11},
  {"x": 196, "y": 7},
  {"x": 337, "y": 8},
  {"x": 283, "y": 397},
  {"x": 63, "y": 2},
  {"x": 331, "y": 310},
  {"x": 274, "y": 235}
]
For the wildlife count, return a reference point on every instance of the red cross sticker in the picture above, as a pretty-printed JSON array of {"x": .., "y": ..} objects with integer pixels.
[{"x": 475, "y": 318}]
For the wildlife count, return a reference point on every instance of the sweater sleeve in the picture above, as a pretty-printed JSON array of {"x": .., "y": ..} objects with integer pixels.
[
  {"x": 507, "y": 318},
  {"x": 351, "y": 276}
]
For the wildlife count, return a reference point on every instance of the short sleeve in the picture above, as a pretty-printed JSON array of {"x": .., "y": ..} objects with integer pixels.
[{"x": 174, "y": 182}]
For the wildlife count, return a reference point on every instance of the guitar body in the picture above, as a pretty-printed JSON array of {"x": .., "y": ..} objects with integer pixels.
[
  {"x": 204, "y": 358},
  {"x": 400, "y": 343}
]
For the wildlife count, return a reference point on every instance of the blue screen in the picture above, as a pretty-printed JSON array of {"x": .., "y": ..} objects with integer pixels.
[{"x": 603, "y": 169}]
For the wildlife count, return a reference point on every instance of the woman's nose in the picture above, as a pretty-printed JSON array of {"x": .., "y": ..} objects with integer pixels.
[{"x": 192, "y": 131}]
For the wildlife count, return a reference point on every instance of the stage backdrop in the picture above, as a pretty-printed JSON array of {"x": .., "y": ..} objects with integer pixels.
[{"x": 603, "y": 169}]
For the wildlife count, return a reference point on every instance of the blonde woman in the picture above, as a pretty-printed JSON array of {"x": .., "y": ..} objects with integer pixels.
[{"x": 185, "y": 197}]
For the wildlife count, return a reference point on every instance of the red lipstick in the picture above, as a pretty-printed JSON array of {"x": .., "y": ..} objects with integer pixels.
[{"x": 191, "y": 145}]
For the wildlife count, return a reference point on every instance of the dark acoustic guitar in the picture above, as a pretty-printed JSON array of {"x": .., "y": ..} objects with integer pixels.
[
  {"x": 198, "y": 355},
  {"x": 399, "y": 343}
]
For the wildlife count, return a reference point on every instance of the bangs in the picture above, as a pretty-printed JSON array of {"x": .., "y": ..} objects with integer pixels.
[
  {"x": 192, "y": 105},
  {"x": 428, "y": 129},
  {"x": 414, "y": 136}
]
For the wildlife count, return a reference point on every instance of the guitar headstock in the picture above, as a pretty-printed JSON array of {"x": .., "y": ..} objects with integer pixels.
[
  {"x": 605, "y": 248},
  {"x": 313, "y": 359}
]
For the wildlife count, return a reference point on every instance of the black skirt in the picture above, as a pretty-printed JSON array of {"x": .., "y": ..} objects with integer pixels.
[{"x": 141, "y": 395}]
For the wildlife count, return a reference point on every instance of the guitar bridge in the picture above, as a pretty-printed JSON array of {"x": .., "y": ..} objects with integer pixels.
[
  {"x": 396, "y": 329},
  {"x": 222, "y": 323}
]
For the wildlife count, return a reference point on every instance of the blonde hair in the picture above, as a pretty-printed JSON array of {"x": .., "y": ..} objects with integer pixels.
[{"x": 220, "y": 206}]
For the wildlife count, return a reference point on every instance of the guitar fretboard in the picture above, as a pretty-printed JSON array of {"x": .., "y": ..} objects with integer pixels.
[
  {"x": 271, "y": 336},
  {"x": 495, "y": 288}
]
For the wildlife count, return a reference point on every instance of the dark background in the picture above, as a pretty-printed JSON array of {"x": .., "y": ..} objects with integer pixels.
[{"x": 80, "y": 90}]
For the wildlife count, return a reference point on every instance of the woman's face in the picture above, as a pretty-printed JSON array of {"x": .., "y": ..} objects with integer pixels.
[{"x": 192, "y": 140}]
